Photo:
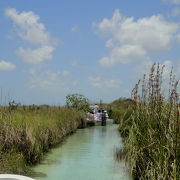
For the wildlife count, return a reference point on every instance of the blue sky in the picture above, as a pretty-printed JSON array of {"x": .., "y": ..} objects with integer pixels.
[{"x": 97, "y": 48}]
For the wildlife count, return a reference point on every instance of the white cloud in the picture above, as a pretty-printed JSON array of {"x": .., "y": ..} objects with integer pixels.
[
  {"x": 132, "y": 40},
  {"x": 29, "y": 27},
  {"x": 48, "y": 80},
  {"x": 145, "y": 68},
  {"x": 32, "y": 31},
  {"x": 104, "y": 83},
  {"x": 6, "y": 66},
  {"x": 169, "y": 66},
  {"x": 36, "y": 56}
]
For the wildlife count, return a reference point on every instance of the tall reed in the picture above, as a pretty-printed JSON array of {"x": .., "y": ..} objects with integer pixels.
[{"x": 153, "y": 142}]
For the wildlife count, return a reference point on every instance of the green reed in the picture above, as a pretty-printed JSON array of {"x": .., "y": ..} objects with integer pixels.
[{"x": 152, "y": 142}]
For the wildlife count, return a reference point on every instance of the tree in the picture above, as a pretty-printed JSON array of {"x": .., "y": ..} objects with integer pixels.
[{"x": 78, "y": 101}]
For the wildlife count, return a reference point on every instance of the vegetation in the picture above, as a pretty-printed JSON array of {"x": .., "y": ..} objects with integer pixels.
[
  {"x": 26, "y": 133},
  {"x": 77, "y": 101},
  {"x": 151, "y": 133},
  {"x": 120, "y": 110}
]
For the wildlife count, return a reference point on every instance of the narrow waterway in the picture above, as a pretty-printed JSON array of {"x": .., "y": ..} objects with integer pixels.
[{"x": 88, "y": 154}]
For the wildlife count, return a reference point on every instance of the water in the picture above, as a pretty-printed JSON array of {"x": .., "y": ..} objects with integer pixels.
[{"x": 88, "y": 154}]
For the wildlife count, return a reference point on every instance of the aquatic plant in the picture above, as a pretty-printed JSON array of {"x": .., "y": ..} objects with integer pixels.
[{"x": 152, "y": 140}]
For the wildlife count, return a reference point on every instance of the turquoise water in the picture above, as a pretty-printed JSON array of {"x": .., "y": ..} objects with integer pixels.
[{"x": 86, "y": 155}]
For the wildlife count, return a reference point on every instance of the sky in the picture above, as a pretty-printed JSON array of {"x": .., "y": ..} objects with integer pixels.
[{"x": 49, "y": 49}]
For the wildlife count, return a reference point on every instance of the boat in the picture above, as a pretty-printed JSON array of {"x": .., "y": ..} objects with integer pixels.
[
  {"x": 14, "y": 177},
  {"x": 97, "y": 116}
]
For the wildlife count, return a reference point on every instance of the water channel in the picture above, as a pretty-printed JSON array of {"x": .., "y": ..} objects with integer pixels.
[{"x": 86, "y": 155}]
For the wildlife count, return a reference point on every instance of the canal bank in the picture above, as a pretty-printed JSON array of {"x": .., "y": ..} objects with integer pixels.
[{"x": 87, "y": 154}]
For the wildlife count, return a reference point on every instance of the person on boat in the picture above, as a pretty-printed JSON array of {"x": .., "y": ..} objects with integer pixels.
[
  {"x": 99, "y": 115},
  {"x": 107, "y": 116},
  {"x": 103, "y": 122},
  {"x": 96, "y": 116},
  {"x": 91, "y": 116}
]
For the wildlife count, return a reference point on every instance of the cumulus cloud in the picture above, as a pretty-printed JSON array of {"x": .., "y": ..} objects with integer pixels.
[
  {"x": 32, "y": 31},
  {"x": 6, "y": 66},
  {"x": 36, "y": 56},
  {"x": 98, "y": 82},
  {"x": 29, "y": 27},
  {"x": 132, "y": 40},
  {"x": 168, "y": 67}
]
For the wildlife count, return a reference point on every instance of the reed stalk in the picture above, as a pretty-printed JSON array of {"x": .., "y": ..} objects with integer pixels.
[{"x": 152, "y": 143}]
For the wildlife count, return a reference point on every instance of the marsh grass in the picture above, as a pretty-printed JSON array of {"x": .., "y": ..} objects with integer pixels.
[
  {"x": 26, "y": 133},
  {"x": 152, "y": 141}
]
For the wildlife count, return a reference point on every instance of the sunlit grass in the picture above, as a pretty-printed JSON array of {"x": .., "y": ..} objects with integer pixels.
[{"x": 26, "y": 133}]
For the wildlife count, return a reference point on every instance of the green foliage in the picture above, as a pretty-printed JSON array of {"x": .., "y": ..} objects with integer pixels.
[
  {"x": 121, "y": 109},
  {"x": 13, "y": 162},
  {"x": 152, "y": 138},
  {"x": 77, "y": 101}
]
